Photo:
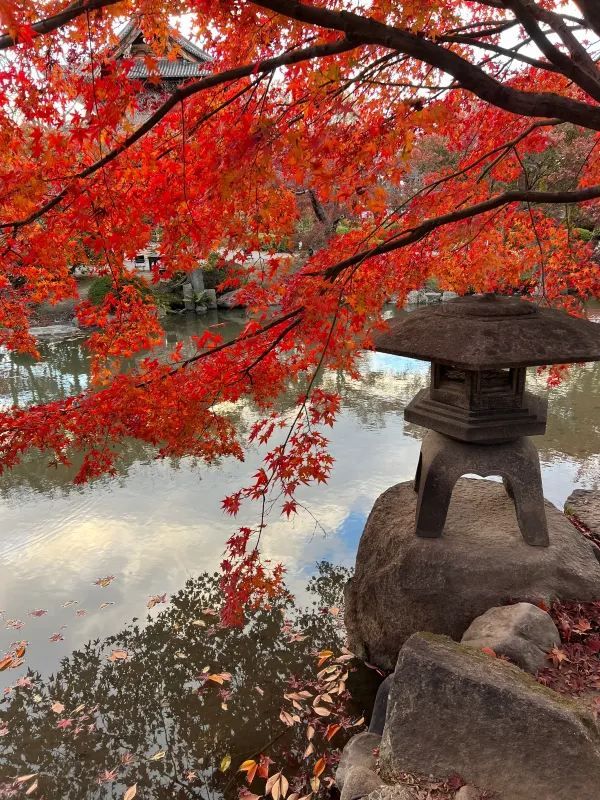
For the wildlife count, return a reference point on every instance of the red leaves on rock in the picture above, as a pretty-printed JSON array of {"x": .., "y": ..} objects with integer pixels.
[{"x": 574, "y": 667}]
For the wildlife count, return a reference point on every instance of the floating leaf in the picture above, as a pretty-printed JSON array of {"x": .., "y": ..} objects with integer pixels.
[
  {"x": 131, "y": 792},
  {"x": 219, "y": 678},
  {"x": 158, "y": 756},
  {"x": 286, "y": 718},
  {"x": 331, "y": 731},
  {"x": 57, "y": 707},
  {"x": 155, "y": 599},
  {"x": 6, "y": 663},
  {"x": 118, "y": 655},
  {"x": 225, "y": 763},
  {"x": 104, "y": 582},
  {"x": 250, "y": 767},
  {"x": 32, "y": 788},
  {"x": 263, "y": 767},
  {"x": 319, "y": 767},
  {"x": 25, "y": 778},
  {"x": 322, "y": 711},
  {"x": 324, "y": 655},
  {"x": 277, "y": 786},
  {"x": 309, "y": 750},
  {"x": 39, "y": 612}
]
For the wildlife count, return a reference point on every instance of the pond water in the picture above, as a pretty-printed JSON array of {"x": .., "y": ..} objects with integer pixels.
[{"x": 156, "y": 529}]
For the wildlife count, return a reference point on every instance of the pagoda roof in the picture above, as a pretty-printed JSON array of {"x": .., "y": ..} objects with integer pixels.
[
  {"x": 190, "y": 62},
  {"x": 491, "y": 332}
]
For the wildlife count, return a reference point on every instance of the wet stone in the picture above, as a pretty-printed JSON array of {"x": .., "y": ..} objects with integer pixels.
[{"x": 584, "y": 505}]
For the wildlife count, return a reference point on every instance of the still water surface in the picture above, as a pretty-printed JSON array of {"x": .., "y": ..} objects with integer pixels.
[{"x": 159, "y": 524}]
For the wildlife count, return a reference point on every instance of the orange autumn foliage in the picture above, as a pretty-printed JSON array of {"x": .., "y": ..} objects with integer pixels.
[{"x": 433, "y": 124}]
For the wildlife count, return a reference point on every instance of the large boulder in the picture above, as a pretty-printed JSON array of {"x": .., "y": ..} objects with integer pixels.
[
  {"x": 403, "y": 584},
  {"x": 454, "y": 710},
  {"x": 584, "y": 505},
  {"x": 522, "y": 632}
]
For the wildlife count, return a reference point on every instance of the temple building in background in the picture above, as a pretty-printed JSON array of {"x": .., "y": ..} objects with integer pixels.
[{"x": 180, "y": 61}]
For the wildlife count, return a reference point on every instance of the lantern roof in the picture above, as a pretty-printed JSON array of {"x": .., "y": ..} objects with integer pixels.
[{"x": 480, "y": 332}]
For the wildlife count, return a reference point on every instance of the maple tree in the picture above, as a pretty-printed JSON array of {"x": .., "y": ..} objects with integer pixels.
[{"x": 335, "y": 100}]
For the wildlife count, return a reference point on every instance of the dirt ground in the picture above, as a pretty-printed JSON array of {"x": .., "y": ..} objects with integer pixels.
[{"x": 62, "y": 313}]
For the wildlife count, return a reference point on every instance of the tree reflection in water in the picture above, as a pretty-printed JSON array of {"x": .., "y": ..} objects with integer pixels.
[{"x": 157, "y": 700}]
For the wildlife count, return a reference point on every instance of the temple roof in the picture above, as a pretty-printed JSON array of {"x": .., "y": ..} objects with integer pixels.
[{"x": 189, "y": 63}]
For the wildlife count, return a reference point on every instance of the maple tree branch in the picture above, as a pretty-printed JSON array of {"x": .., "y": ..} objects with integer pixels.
[
  {"x": 584, "y": 75},
  {"x": 227, "y": 76},
  {"x": 591, "y": 13},
  {"x": 418, "y": 232},
  {"x": 365, "y": 30},
  {"x": 71, "y": 12},
  {"x": 225, "y": 345},
  {"x": 513, "y": 55}
]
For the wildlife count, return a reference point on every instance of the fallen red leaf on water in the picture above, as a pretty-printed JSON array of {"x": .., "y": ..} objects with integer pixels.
[{"x": 104, "y": 582}]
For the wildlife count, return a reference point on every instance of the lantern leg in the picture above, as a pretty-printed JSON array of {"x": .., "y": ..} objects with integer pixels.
[
  {"x": 523, "y": 484},
  {"x": 442, "y": 462},
  {"x": 418, "y": 474},
  {"x": 437, "y": 474}
]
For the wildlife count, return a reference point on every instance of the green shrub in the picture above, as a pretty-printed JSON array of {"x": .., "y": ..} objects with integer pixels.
[
  {"x": 102, "y": 285},
  {"x": 98, "y": 289}
]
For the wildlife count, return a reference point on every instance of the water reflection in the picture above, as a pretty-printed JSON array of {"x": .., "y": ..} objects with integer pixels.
[
  {"x": 156, "y": 700},
  {"x": 159, "y": 523}
]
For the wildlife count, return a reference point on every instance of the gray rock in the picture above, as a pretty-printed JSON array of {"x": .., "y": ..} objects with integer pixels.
[
  {"x": 230, "y": 300},
  {"x": 453, "y": 710},
  {"x": 468, "y": 793},
  {"x": 448, "y": 296},
  {"x": 396, "y": 791},
  {"x": 584, "y": 505},
  {"x": 415, "y": 298},
  {"x": 522, "y": 632},
  {"x": 210, "y": 297},
  {"x": 360, "y": 782},
  {"x": 188, "y": 297},
  {"x": 403, "y": 584},
  {"x": 358, "y": 752},
  {"x": 56, "y": 331},
  {"x": 379, "y": 708}
]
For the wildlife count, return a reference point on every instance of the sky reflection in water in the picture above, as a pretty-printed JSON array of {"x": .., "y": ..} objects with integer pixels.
[{"x": 160, "y": 523}]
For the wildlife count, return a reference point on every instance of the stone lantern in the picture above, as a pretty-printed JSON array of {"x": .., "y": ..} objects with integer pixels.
[{"x": 476, "y": 408}]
